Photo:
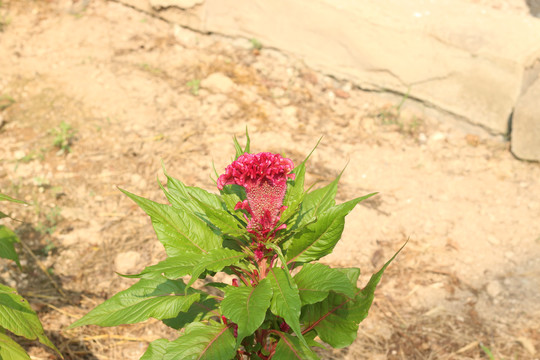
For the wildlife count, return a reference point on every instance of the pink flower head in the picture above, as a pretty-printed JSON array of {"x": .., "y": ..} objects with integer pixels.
[{"x": 264, "y": 176}]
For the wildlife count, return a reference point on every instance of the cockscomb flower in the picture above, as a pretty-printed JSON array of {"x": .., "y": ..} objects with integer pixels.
[{"x": 264, "y": 176}]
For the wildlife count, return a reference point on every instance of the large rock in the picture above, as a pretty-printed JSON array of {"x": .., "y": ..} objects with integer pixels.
[
  {"x": 526, "y": 124},
  {"x": 466, "y": 59}
]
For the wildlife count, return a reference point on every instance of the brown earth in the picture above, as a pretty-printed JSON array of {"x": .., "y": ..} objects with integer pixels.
[{"x": 468, "y": 278}]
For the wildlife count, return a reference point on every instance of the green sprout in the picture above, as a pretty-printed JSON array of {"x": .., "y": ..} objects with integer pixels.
[
  {"x": 64, "y": 135},
  {"x": 256, "y": 44},
  {"x": 194, "y": 86}
]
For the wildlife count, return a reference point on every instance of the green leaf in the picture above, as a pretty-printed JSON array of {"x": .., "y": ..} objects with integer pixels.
[
  {"x": 17, "y": 316},
  {"x": 156, "y": 350},
  {"x": 290, "y": 348},
  {"x": 203, "y": 342},
  {"x": 7, "y": 249},
  {"x": 4, "y": 197},
  {"x": 332, "y": 319},
  {"x": 319, "y": 238},
  {"x": 178, "y": 231},
  {"x": 246, "y": 306},
  {"x": 336, "y": 318},
  {"x": 351, "y": 273},
  {"x": 285, "y": 300},
  {"x": 203, "y": 309},
  {"x": 156, "y": 298},
  {"x": 215, "y": 260},
  {"x": 10, "y": 350},
  {"x": 223, "y": 220},
  {"x": 316, "y": 280},
  {"x": 318, "y": 201},
  {"x": 310, "y": 339},
  {"x": 238, "y": 148},
  {"x": 295, "y": 193},
  {"x": 365, "y": 298},
  {"x": 232, "y": 194},
  {"x": 182, "y": 196},
  {"x": 173, "y": 267}
]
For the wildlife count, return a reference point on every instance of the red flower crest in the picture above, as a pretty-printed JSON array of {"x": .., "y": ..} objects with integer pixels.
[{"x": 264, "y": 176}]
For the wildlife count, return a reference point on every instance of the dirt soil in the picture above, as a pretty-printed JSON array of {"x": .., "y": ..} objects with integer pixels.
[{"x": 133, "y": 91}]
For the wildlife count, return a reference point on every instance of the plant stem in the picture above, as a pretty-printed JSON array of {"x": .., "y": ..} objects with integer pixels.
[{"x": 240, "y": 276}]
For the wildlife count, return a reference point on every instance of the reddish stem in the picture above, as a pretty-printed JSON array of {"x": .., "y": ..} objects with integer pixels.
[{"x": 240, "y": 276}]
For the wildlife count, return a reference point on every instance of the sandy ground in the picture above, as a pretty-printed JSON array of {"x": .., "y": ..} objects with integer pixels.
[{"x": 137, "y": 91}]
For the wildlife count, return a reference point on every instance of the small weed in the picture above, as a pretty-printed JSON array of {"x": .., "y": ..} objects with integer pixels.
[
  {"x": 33, "y": 155},
  {"x": 4, "y": 21},
  {"x": 49, "y": 224},
  {"x": 256, "y": 44},
  {"x": 151, "y": 69},
  {"x": 5, "y": 100},
  {"x": 41, "y": 182},
  {"x": 391, "y": 115},
  {"x": 488, "y": 352},
  {"x": 194, "y": 86},
  {"x": 63, "y": 137}
]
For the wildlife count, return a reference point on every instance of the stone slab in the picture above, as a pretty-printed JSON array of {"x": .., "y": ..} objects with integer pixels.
[
  {"x": 463, "y": 58},
  {"x": 526, "y": 124}
]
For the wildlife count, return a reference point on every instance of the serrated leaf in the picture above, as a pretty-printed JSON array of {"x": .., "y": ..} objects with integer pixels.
[
  {"x": 17, "y": 316},
  {"x": 215, "y": 260},
  {"x": 181, "y": 195},
  {"x": 318, "y": 239},
  {"x": 178, "y": 231},
  {"x": 173, "y": 267},
  {"x": 336, "y": 318},
  {"x": 246, "y": 306},
  {"x": 4, "y": 197},
  {"x": 223, "y": 220},
  {"x": 203, "y": 309},
  {"x": 158, "y": 298},
  {"x": 285, "y": 300},
  {"x": 156, "y": 350},
  {"x": 291, "y": 348},
  {"x": 10, "y": 350},
  {"x": 7, "y": 249},
  {"x": 203, "y": 342},
  {"x": 232, "y": 194},
  {"x": 315, "y": 281}
]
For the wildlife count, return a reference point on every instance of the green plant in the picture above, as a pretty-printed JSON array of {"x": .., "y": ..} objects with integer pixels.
[
  {"x": 256, "y": 44},
  {"x": 33, "y": 155},
  {"x": 264, "y": 231},
  {"x": 4, "y": 21},
  {"x": 487, "y": 351},
  {"x": 16, "y": 315},
  {"x": 194, "y": 86},
  {"x": 151, "y": 69},
  {"x": 47, "y": 226},
  {"x": 5, "y": 100},
  {"x": 64, "y": 135}
]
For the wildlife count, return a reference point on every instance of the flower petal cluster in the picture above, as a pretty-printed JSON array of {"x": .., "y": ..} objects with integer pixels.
[{"x": 264, "y": 176}]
